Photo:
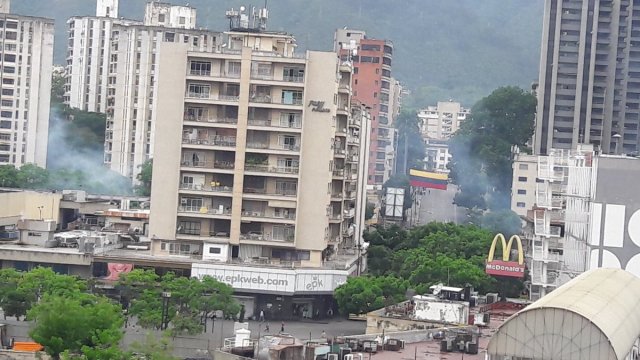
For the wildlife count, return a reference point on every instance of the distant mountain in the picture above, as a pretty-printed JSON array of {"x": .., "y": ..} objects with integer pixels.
[{"x": 458, "y": 49}]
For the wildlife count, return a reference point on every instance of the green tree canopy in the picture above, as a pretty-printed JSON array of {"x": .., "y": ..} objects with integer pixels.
[
  {"x": 434, "y": 253},
  {"x": 360, "y": 295},
  {"x": 77, "y": 323},
  {"x": 144, "y": 177}
]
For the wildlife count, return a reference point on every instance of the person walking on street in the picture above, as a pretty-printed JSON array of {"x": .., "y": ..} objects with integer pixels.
[
  {"x": 261, "y": 315},
  {"x": 282, "y": 327},
  {"x": 266, "y": 328}
]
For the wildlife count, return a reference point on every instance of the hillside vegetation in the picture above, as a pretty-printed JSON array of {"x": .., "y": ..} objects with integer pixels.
[{"x": 460, "y": 49}]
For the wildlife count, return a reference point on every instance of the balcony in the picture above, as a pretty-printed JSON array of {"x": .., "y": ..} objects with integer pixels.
[
  {"x": 197, "y": 236},
  {"x": 349, "y": 213},
  {"x": 259, "y": 236},
  {"x": 224, "y": 141},
  {"x": 339, "y": 152},
  {"x": 542, "y": 224},
  {"x": 208, "y": 164},
  {"x": 353, "y": 158},
  {"x": 338, "y": 173},
  {"x": 335, "y": 218},
  {"x": 203, "y": 210},
  {"x": 354, "y": 122},
  {"x": 293, "y": 79},
  {"x": 206, "y": 188},
  {"x": 207, "y": 96},
  {"x": 277, "y": 192},
  {"x": 353, "y": 140},
  {"x": 279, "y": 125},
  {"x": 278, "y": 147},
  {"x": 272, "y": 169},
  {"x": 209, "y": 119}
]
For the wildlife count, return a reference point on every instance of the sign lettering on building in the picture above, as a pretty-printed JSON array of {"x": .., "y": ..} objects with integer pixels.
[
  {"x": 318, "y": 106},
  {"x": 504, "y": 266}
]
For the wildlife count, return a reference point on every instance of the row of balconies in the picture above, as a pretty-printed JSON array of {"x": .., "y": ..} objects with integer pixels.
[{"x": 226, "y": 212}]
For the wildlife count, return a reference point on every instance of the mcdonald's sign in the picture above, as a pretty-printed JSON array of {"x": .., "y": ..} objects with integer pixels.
[{"x": 504, "y": 266}]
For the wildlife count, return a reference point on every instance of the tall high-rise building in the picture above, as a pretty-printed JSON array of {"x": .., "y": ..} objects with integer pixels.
[
  {"x": 27, "y": 64},
  {"x": 589, "y": 85},
  {"x": 258, "y": 157},
  {"x": 111, "y": 68},
  {"x": 373, "y": 86}
]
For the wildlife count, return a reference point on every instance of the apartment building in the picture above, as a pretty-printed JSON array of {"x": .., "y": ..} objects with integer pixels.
[
  {"x": 525, "y": 180},
  {"x": 589, "y": 84},
  {"x": 27, "y": 62},
  {"x": 111, "y": 68},
  {"x": 443, "y": 120},
  {"x": 373, "y": 86},
  {"x": 258, "y": 167}
]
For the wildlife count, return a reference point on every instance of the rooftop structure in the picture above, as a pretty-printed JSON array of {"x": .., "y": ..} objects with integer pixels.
[{"x": 594, "y": 316}]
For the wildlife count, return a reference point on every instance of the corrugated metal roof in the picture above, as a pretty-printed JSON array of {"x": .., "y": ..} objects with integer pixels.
[{"x": 594, "y": 316}]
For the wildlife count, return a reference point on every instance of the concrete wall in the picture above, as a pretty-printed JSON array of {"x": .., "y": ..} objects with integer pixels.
[
  {"x": 25, "y": 204},
  {"x": 164, "y": 197},
  {"x": 221, "y": 355},
  {"x": 443, "y": 312},
  {"x": 317, "y": 133},
  {"x": 523, "y": 193}
]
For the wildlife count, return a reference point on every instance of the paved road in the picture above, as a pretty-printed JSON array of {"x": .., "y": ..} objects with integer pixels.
[
  {"x": 194, "y": 346},
  {"x": 437, "y": 205}
]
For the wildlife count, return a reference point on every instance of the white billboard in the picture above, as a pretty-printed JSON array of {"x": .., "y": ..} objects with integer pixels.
[
  {"x": 394, "y": 202},
  {"x": 272, "y": 279}
]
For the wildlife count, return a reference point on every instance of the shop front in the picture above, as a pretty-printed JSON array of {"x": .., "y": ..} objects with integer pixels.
[{"x": 281, "y": 294}]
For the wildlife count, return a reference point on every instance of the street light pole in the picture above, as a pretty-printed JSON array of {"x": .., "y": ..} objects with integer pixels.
[{"x": 166, "y": 295}]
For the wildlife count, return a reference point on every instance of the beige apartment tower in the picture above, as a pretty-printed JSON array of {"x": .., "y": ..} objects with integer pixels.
[{"x": 257, "y": 154}]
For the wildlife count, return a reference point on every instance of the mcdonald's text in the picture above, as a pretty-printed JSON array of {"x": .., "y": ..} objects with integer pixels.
[{"x": 505, "y": 268}]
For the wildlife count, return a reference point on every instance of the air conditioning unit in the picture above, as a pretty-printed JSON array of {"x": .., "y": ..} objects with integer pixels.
[{"x": 332, "y": 357}]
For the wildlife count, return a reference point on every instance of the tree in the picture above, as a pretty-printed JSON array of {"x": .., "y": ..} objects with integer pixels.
[
  {"x": 78, "y": 323},
  {"x": 409, "y": 142},
  {"x": 361, "y": 295},
  {"x": 57, "y": 87},
  {"x": 191, "y": 299},
  {"x": 144, "y": 177},
  {"x": 153, "y": 348},
  {"x": 430, "y": 254},
  {"x": 31, "y": 176},
  {"x": 8, "y": 176},
  {"x": 481, "y": 149}
]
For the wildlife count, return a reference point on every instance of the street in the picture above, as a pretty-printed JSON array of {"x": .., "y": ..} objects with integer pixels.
[
  {"x": 437, "y": 205},
  {"x": 193, "y": 346}
]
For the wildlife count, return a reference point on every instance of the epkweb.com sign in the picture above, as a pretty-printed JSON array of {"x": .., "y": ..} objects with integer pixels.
[
  {"x": 505, "y": 267},
  {"x": 235, "y": 280}
]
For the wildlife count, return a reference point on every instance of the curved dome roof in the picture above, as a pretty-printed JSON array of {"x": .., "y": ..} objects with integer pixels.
[{"x": 594, "y": 316}]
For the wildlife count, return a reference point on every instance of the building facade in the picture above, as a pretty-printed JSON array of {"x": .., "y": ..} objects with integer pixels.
[
  {"x": 111, "y": 68},
  {"x": 373, "y": 86},
  {"x": 437, "y": 156},
  {"x": 27, "y": 63},
  {"x": 523, "y": 189},
  {"x": 442, "y": 121},
  {"x": 589, "y": 84}
]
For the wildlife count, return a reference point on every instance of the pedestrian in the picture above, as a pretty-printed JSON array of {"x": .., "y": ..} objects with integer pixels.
[
  {"x": 261, "y": 315},
  {"x": 323, "y": 335},
  {"x": 266, "y": 328},
  {"x": 282, "y": 327}
]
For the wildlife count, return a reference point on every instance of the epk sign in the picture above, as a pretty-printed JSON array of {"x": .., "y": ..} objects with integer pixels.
[{"x": 504, "y": 266}]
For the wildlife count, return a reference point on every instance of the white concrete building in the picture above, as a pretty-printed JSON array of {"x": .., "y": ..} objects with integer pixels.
[
  {"x": 27, "y": 63},
  {"x": 442, "y": 121},
  {"x": 437, "y": 155},
  {"x": 523, "y": 188},
  {"x": 111, "y": 68}
]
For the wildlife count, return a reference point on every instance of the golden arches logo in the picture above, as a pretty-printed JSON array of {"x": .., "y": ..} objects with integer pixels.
[{"x": 506, "y": 248}]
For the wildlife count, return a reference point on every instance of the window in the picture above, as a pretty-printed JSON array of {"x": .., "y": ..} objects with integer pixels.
[
  {"x": 191, "y": 204},
  {"x": 161, "y": 18},
  {"x": 288, "y": 163},
  {"x": 287, "y": 188},
  {"x": 7, "y": 102},
  {"x": 521, "y": 205},
  {"x": 355, "y": 70},
  {"x": 6, "y": 114},
  {"x": 234, "y": 68},
  {"x": 189, "y": 227},
  {"x": 7, "y": 81},
  {"x": 215, "y": 250},
  {"x": 522, "y": 178},
  {"x": 369, "y": 47},
  {"x": 523, "y": 166},
  {"x": 293, "y": 74},
  {"x": 202, "y": 68},
  {"x": 292, "y": 97},
  {"x": 182, "y": 20},
  {"x": 199, "y": 90},
  {"x": 288, "y": 142},
  {"x": 8, "y": 92},
  {"x": 169, "y": 37},
  {"x": 522, "y": 192}
]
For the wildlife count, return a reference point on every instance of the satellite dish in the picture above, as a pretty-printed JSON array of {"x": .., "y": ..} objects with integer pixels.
[
  {"x": 437, "y": 289},
  {"x": 242, "y": 8}
]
